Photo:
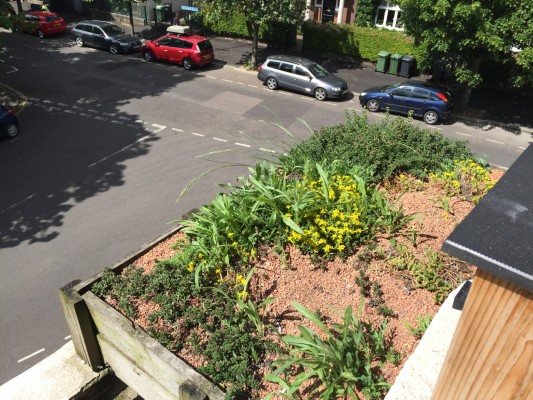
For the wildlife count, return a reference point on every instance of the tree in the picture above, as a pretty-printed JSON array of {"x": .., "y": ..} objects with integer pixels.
[
  {"x": 258, "y": 13},
  {"x": 462, "y": 33}
]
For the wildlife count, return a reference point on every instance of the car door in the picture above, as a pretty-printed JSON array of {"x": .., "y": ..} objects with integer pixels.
[
  {"x": 396, "y": 99},
  {"x": 87, "y": 35},
  {"x": 162, "y": 48},
  {"x": 418, "y": 101},
  {"x": 285, "y": 75},
  {"x": 302, "y": 80},
  {"x": 99, "y": 37},
  {"x": 178, "y": 50}
]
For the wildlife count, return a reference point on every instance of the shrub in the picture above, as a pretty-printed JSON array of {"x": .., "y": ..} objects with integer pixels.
[{"x": 383, "y": 149}]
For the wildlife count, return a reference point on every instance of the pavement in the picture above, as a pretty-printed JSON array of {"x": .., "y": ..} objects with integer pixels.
[{"x": 64, "y": 376}]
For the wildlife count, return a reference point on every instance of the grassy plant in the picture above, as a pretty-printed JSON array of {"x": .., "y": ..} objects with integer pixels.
[
  {"x": 422, "y": 324},
  {"x": 342, "y": 362},
  {"x": 467, "y": 179},
  {"x": 444, "y": 202}
]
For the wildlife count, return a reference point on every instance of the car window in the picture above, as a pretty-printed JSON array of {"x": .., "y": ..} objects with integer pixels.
[
  {"x": 88, "y": 28},
  {"x": 300, "y": 71},
  {"x": 80, "y": 27},
  {"x": 52, "y": 18},
  {"x": 113, "y": 30},
  {"x": 98, "y": 31},
  {"x": 204, "y": 45},
  {"x": 286, "y": 67},
  {"x": 402, "y": 91},
  {"x": 182, "y": 44},
  {"x": 318, "y": 70},
  {"x": 274, "y": 64},
  {"x": 419, "y": 93},
  {"x": 165, "y": 42}
]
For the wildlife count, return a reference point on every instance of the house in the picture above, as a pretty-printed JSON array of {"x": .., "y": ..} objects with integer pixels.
[{"x": 387, "y": 14}]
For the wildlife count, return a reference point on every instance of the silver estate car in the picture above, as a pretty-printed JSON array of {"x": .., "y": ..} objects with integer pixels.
[{"x": 301, "y": 75}]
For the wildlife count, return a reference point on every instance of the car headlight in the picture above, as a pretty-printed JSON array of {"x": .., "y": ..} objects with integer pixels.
[
  {"x": 363, "y": 94},
  {"x": 123, "y": 44},
  {"x": 337, "y": 88}
]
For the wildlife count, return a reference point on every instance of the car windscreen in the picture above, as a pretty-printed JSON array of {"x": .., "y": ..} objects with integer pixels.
[
  {"x": 112, "y": 30},
  {"x": 52, "y": 18},
  {"x": 318, "y": 70},
  {"x": 205, "y": 45}
]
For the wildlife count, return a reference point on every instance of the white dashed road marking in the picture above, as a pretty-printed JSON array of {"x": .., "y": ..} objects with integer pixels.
[
  {"x": 177, "y": 130},
  {"x": 18, "y": 203},
  {"x": 464, "y": 134},
  {"x": 494, "y": 141},
  {"x": 220, "y": 140},
  {"x": 31, "y": 355},
  {"x": 198, "y": 134},
  {"x": 242, "y": 144},
  {"x": 158, "y": 127}
]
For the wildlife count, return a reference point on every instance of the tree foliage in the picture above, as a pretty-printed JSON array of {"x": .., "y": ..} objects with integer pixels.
[
  {"x": 258, "y": 13},
  {"x": 365, "y": 12},
  {"x": 461, "y": 33}
]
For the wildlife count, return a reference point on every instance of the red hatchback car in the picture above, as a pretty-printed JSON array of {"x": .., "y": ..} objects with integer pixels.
[
  {"x": 180, "y": 48},
  {"x": 44, "y": 23}
]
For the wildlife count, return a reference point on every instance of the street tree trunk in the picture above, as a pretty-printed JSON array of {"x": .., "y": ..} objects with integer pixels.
[
  {"x": 19, "y": 6},
  {"x": 465, "y": 98},
  {"x": 130, "y": 12},
  {"x": 255, "y": 44}
]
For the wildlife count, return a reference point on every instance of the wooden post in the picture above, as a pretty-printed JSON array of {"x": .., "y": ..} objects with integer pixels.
[
  {"x": 81, "y": 326},
  {"x": 491, "y": 354}
]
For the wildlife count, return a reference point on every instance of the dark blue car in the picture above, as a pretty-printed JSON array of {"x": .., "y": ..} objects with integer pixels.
[
  {"x": 424, "y": 100},
  {"x": 9, "y": 125}
]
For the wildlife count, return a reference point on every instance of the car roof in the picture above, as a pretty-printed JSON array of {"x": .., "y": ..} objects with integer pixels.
[
  {"x": 42, "y": 13},
  {"x": 296, "y": 60},
  {"x": 425, "y": 85},
  {"x": 187, "y": 37},
  {"x": 96, "y": 22}
]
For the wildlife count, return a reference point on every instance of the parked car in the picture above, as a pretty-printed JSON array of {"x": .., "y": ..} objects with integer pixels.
[
  {"x": 180, "y": 47},
  {"x": 9, "y": 124},
  {"x": 425, "y": 100},
  {"x": 105, "y": 35},
  {"x": 301, "y": 75},
  {"x": 43, "y": 23}
]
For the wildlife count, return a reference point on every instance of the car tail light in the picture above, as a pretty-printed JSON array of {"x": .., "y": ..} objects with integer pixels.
[
  {"x": 197, "y": 51},
  {"x": 442, "y": 97},
  {"x": 260, "y": 68}
]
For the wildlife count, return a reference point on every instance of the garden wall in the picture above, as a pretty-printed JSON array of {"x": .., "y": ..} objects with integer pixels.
[{"x": 103, "y": 336}]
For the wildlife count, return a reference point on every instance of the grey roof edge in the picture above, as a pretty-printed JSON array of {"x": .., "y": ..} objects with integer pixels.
[{"x": 488, "y": 264}]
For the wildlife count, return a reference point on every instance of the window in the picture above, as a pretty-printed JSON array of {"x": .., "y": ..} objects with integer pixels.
[
  {"x": 274, "y": 64},
  {"x": 388, "y": 16},
  {"x": 165, "y": 42},
  {"x": 286, "y": 67},
  {"x": 300, "y": 71},
  {"x": 419, "y": 93},
  {"x": 402, "y": 91},
  {"x": 320, "y": 3}
]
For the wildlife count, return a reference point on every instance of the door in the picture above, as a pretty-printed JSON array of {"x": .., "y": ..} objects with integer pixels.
[
  {"x": 285, "y": 76},
  {"x": 162, "y": 49},
  {"x": 328, "y": 10},
  {"x": 302, "y": 80},
  {"x": 99, "y": 38},
  {"x": 182, "y": 49},
  {"x": 418, "y": 101},
  {"x": 396, "y": 100}
]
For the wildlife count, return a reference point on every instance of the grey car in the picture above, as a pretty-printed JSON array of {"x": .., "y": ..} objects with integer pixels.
[
  {"x": 105, "y": 35},
  {"x": 301, "y": 75}
]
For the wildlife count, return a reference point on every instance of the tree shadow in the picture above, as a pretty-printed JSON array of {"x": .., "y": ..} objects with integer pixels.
[{"x": 70, "y": 150}]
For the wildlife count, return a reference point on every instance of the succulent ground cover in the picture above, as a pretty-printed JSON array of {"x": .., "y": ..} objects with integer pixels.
[{"x": 316, "y": 275}]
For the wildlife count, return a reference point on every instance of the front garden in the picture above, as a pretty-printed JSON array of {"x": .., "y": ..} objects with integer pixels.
[{"x": 316, "y": 275}]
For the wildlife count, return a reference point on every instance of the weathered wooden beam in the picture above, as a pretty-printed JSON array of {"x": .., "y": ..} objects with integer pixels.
[
  {"x": 80, "y": 325},
  {"x": 491, "y": 354}
]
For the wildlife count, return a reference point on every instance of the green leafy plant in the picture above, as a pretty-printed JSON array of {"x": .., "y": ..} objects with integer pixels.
[
  {"x": 422, "y": 324},
  {"x": 341, "y": 362}
]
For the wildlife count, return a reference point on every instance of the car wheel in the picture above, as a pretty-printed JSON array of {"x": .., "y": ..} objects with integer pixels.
[
  {"x": 320, "y": 94},
  {"x": 187, "y": 63},
  {"x": 372, "y": 105},
  {"x": 113, "y": 48},
  {"x": 272, "y": 83},
  {"x": 40, "y": 33},
  {"x": 12, "y": 130},
  {"x": 148, "y": 56},
  {"x": 431, "y": 117},
  {"x": 79, "y": 41}
]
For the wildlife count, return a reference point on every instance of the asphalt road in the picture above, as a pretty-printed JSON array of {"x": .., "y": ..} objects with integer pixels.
[{"x": 107, "y": 145}]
